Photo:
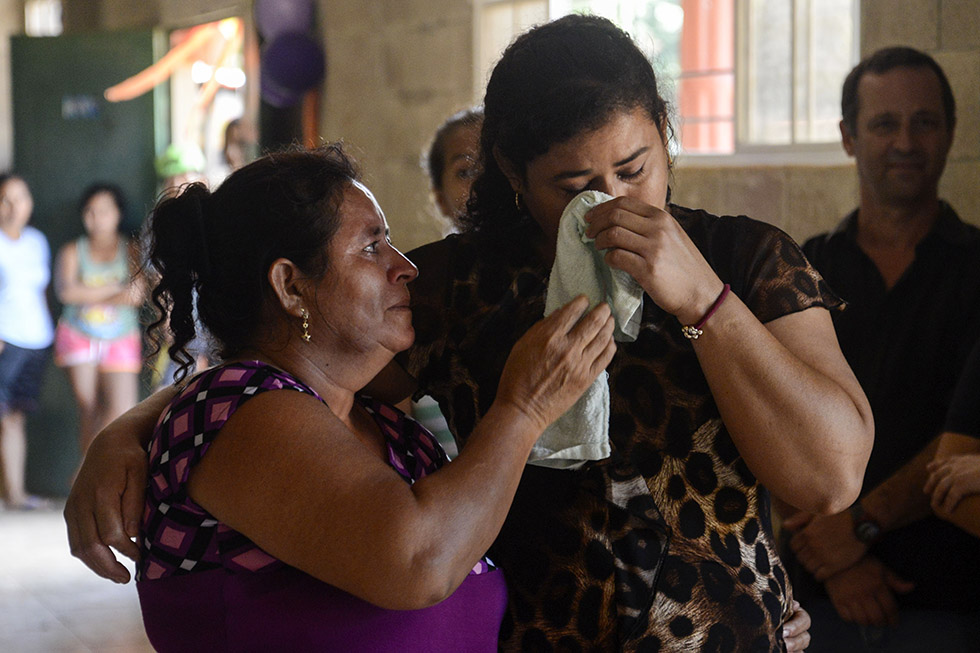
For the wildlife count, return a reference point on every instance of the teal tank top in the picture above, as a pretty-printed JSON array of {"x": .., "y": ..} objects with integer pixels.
[{"x": 102, "y": 321}]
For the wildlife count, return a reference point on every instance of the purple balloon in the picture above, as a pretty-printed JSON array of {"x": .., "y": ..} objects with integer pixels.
[
  {"x": 275, "y": 17},
  {"x": 291, "y": 65}
]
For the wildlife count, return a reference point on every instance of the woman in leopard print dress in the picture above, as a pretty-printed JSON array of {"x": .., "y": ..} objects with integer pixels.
[{"x": 667, "y": 544}]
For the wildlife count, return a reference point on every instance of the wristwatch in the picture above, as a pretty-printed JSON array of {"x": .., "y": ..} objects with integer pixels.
[{"x": 866, "y": 529}]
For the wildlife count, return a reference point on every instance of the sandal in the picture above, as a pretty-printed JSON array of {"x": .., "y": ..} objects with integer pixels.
[{"x": 30, "y": 502}]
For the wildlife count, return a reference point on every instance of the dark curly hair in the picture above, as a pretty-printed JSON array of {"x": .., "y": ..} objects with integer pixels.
[
  {"x": 219, "y": 246},
  {"x": 553, "y": 82}
]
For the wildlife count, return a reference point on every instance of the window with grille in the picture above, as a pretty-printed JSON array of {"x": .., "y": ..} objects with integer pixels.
[{"x": 744, "y": 76}]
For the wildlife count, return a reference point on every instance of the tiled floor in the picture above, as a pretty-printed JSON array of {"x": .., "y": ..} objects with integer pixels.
[{"x": 51, "y": 603}]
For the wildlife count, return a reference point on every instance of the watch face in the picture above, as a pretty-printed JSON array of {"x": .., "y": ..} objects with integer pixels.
[{"x": 867, "y": 531}]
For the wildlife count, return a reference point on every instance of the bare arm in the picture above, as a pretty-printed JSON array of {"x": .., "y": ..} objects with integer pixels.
[
  {"x": 790, "y": 401},
  {"x": 898, "y": 500},
  {"x": 953, "y": 484},
  {"x": 106, "y": 500},
  {"x": 135, "y": 290},
  {"x": 826, "y": 545},
  {"x": 70, "y": 289},
  {"x": 346, "y": 518}
]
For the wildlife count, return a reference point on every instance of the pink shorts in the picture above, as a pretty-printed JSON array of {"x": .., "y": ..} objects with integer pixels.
[{"x": 72, "y": 347}]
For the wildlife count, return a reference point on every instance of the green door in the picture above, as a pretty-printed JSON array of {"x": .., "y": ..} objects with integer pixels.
[{"x": 67, "y": 136}]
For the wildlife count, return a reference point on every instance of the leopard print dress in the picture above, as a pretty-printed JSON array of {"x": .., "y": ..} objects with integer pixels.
[{"x": 667, "y": 544}]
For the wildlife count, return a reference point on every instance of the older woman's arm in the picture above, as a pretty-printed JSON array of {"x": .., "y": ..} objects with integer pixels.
[
  {"x": 106, "y": 500},
  {"x": 322, "y": 501}
]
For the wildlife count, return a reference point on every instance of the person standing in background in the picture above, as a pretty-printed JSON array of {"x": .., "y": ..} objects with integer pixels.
[
  {"x": 98, "y": 339},
  {"x": 240, "y": 143},
  {"x": 888, "y": 574},
  {"x": 26, "y": 332},
  {"x": 452, "y": 162}
]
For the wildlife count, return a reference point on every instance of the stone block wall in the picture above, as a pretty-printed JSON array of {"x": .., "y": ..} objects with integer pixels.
[
  {"x": 395, "y": 70},
  {"x": 805, "y": 200}
]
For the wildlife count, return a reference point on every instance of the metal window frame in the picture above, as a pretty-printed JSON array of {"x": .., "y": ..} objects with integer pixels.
[{"x": 745, "y": 151}]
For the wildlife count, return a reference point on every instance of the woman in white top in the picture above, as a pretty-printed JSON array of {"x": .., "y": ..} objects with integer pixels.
[{"x": 25, "y": 332}]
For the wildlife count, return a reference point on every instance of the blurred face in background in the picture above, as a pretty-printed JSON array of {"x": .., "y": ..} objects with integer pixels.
[
  {"x": 461, "y": 168},
  {"x": 16, "y": 206},
  {"x": 101, "y": 216}
]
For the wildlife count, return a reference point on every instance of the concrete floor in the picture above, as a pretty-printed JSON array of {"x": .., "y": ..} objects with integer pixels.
[{"x": 50, "y": 602}]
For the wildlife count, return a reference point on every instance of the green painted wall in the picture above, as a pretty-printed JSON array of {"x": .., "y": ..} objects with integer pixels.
[{"x": 67, "y": 136}]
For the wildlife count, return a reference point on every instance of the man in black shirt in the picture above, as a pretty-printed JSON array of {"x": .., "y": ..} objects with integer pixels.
[{"x": 887, "y": 574}]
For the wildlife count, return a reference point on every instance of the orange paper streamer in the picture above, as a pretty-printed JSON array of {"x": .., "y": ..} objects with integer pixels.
[{"x": 160, "y": 71}]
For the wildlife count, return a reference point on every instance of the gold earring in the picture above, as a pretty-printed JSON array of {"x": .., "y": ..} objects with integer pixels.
[
  {"x": 306, "y": 324},
  {"x": 517, "y": 201}
]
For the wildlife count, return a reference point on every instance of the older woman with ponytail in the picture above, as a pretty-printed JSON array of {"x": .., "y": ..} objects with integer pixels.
[{"x": 285, "y": 511}]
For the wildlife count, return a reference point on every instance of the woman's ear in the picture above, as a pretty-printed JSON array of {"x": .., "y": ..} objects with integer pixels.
[
  {"x": 288, "y": 285},
  {"x": 510, "y": 171}
]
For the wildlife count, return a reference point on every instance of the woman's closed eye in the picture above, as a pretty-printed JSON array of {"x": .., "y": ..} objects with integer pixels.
[{"x": 626, "y": 176}]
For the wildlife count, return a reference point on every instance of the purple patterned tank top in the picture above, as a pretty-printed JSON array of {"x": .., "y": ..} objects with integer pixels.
[{"x": 205, "y": 586}]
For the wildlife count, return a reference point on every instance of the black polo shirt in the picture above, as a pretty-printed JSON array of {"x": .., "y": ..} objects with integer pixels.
[
  {"x": 964, "y": 411},
  {"x": 907, "y": 347}
]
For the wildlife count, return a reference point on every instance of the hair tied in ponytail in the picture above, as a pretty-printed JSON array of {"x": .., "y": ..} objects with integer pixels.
[{"x": 197, "y": 196}]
